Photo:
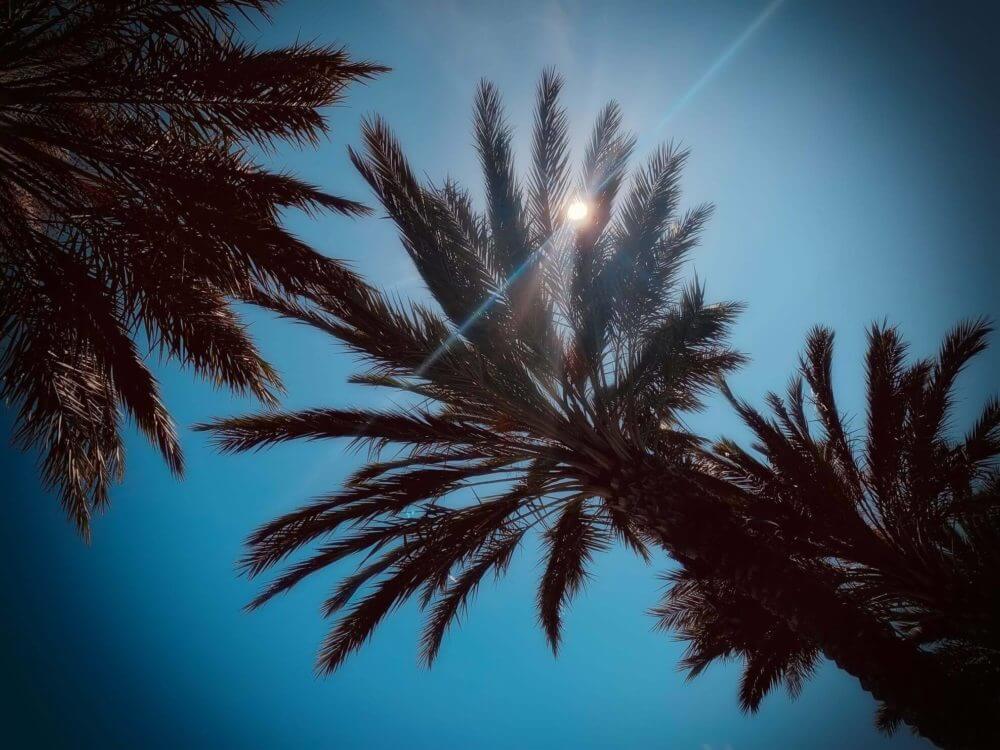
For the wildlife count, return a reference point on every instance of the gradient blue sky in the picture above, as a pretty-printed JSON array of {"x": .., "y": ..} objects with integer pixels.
[{"x": 850, "y": 150}]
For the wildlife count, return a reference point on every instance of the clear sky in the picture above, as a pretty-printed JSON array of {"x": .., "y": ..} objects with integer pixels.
[{"x": 850, "y": 151}]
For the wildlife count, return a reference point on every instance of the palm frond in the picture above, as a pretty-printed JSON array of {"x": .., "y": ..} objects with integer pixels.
[
  {"x": 570, "y": 544},
  {"x": 550, "y": 158}
]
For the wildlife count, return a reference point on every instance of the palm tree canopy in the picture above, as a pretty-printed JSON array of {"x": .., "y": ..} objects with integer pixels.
[
  {"x": 559, "y": 352},
  {"x": 131, "y": 215},
  {"x": 904, "y": 517}
]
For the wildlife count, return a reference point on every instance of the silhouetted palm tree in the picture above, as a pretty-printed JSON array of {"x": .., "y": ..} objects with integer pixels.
[
  {"x": 557, "y": 370},
  {"x": 130, "y": 215},
  {"x": 905, "y": 522},
  {"x": 563, "y": 353}
]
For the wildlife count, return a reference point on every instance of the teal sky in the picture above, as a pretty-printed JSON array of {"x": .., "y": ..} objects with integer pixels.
[{"x": 850, "y": 149}]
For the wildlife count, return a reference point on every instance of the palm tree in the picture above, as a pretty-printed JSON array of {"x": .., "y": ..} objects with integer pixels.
[
  {"x": 557, "y": 371},
  {"x": 905, "y": 522},
  {"x": 562, "y": 352},
  {"x": 131, "y": 215}
]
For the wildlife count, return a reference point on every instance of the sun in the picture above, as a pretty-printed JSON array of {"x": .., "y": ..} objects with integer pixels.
[{"x": 577, "y": 211}]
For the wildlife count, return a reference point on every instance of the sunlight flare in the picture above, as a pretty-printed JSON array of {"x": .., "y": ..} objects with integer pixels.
[{"x": 577, "y": 211}]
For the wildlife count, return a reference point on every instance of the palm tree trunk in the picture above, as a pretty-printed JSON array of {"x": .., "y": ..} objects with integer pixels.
[{"x": 700, "y": 532}]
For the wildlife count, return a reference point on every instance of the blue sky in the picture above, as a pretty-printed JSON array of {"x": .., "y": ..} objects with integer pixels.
[{"x": 849, "y": 149}]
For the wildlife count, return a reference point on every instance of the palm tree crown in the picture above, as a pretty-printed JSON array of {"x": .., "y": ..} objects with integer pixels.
[
  {"x": 131, "y": 214},
  {"x": 903, "y": 520},
  {"x": 562, "y": 352}
]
